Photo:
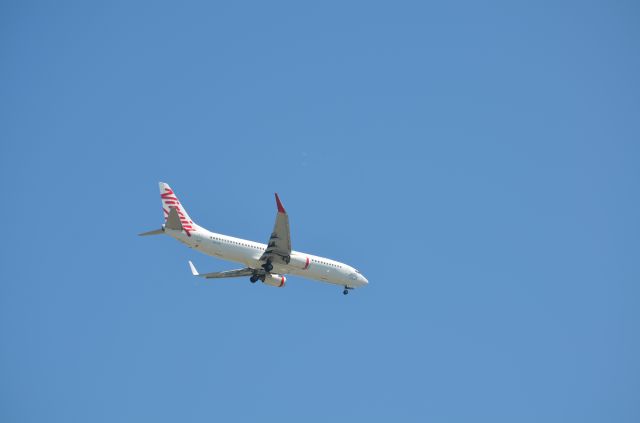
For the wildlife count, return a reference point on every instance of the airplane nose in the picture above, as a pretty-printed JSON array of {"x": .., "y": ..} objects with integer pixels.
[{"x": 364, "y": 280}]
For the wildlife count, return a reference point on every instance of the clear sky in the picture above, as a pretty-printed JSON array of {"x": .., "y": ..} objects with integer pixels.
[{"x": 478, "y": 161}]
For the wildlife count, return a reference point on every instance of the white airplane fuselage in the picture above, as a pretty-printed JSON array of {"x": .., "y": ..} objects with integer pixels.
[
  {"x": 249, "y": 252},
  {"x": 266, "y": 262}
]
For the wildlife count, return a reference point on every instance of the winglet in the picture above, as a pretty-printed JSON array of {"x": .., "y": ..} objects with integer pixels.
[
  {"x": 279, "y": 203},
  {"x": 194, "y": 271}
]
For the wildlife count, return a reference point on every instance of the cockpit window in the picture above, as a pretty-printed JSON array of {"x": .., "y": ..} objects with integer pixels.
[{"x": 357, "y": 271}]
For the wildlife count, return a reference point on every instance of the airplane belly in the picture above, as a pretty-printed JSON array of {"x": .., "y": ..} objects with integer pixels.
[
  {"x": 210, "y": 250},
  {"x": 317, "y": 274},
  {"x": 241, "y": 255}
]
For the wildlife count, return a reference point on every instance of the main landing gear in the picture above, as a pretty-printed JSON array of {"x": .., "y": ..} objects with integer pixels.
[
  {"x": 268, "y": 267},
  {"x": 254, "y": 278}
]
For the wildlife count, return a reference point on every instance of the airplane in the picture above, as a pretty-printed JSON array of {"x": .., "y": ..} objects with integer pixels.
[{"x": 268, "y": 263}]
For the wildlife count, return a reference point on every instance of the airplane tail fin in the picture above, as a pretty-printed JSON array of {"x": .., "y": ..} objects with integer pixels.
[{"x": 176, "y": 217}]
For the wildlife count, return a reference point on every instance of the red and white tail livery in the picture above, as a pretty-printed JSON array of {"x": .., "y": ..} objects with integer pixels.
[{"x": 170, "y": 201}]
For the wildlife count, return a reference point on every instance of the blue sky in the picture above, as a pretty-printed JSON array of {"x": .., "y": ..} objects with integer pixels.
[{"x": 477, "y": 161}]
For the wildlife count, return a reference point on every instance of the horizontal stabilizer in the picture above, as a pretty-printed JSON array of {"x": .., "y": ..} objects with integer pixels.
[
  {"x": 173, "y": 220},
  {"x": 156, "y": 232}
]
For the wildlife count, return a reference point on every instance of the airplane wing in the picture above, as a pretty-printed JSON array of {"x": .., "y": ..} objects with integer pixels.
[
  {"x": 279, "y": 247},
  {"x": 228, "y": 274}
]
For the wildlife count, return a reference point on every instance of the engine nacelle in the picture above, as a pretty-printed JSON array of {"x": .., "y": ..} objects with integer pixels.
[
  {"x": 274, "y": 279},
  {"x": 299, "y": 261}
]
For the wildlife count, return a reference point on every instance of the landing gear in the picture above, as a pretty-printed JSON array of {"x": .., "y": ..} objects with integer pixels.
[
  {"x": 254, "y": 278},
  {"x": 345, "y": 292},
  {"x": 268, "y": 267},
  {"x": 287, "y": 259}
]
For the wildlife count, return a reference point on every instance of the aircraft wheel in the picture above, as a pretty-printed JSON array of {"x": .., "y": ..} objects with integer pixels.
[
  {"x": 253, "y": 278},
  {"x": 345, "y": 292},
  {"x": 268, "y": 266}
]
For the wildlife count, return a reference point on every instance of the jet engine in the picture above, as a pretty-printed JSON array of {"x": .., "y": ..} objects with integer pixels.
[
  {"x": 274, "y": 279},
  {"x": 299, "y": 261}
]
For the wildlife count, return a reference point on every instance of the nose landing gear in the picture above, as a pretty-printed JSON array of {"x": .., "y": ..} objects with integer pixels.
[{"x": 346, "y": 290}]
